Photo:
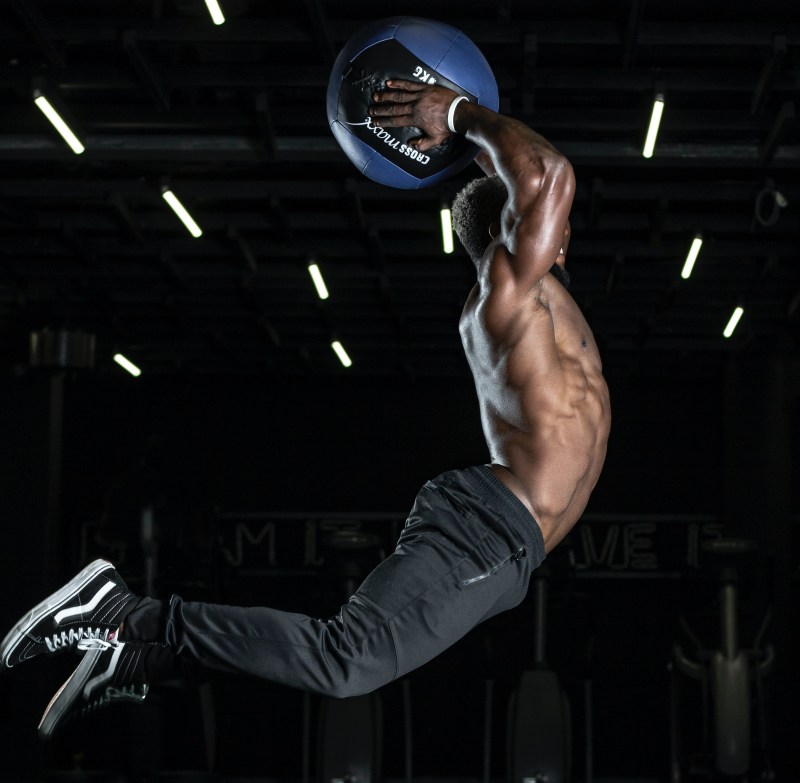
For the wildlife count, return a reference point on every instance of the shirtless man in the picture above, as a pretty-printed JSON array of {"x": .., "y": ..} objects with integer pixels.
[
  {"x": 544, "y": 402},
  {"x": 473, "y": 537}
]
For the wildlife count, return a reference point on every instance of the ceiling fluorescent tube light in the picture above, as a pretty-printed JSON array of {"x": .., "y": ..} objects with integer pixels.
[
  {"x": 127, "y": 365},
  {"x": 181, "y": 212},
  {"x": 691, "y": 257},
  {"x": 652, "y": 131},
  {"x": 341, "y": 353},
  {"x": 217, "y": 16},
  {"x": 55, "y": 119},
  {"x": 319, "y": 283},
  {"x": 447, "y": 229},
  {"x": 737, "y": 314}
]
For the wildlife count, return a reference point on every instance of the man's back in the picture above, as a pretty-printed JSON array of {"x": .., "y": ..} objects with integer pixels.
[{"x": 544, "y": 403}]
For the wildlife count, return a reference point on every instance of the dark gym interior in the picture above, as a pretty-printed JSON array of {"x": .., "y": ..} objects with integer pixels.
[{"x": 247, "y": 465}]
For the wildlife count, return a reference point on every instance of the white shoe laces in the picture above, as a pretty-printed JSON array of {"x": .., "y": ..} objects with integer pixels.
[
  {"x": 64, "y": 639},
  {"x": 96, "y": 644}
]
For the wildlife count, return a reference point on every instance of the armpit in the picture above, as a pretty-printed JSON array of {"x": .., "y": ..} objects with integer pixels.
[{"x": 539, "y": 296}]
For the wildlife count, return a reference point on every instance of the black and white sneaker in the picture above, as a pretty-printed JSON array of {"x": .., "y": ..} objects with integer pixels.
[
  {"x": 109, "y": 673},
  {"x": 90, "y": 606}
]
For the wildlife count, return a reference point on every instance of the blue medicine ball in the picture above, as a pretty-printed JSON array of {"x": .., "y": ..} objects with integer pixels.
[{"x": 404, "y": 47}]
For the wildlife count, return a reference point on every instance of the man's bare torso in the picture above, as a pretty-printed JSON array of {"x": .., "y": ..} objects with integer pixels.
[{"x": 544, "y": 403}]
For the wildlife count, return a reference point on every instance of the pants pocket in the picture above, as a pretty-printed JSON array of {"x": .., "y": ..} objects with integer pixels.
[{"x": 512, "y": 557}]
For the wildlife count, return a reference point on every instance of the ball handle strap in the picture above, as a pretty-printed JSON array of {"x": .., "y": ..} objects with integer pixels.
[{"x": 451, "y": 112}]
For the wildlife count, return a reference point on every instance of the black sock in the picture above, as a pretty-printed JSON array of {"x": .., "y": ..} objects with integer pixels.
[
  {"x": 145, "y": 621},
  {"x": 161, "y": 663}
]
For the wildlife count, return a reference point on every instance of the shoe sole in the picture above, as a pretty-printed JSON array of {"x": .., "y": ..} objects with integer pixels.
[
  {"x": 67, "y": 694},
  {"x": 51, "y": 603}
]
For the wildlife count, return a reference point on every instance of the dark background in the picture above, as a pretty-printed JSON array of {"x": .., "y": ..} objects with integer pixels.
[
  {"x": 242, "y": 408},
  {"x": 679, "y": 455}
]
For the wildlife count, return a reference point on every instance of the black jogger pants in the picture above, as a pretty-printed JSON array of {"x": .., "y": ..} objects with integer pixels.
[{"x": 466, "y": 553}]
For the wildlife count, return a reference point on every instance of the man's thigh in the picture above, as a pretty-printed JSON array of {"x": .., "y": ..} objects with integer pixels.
[{"x": 449, "y": 572}]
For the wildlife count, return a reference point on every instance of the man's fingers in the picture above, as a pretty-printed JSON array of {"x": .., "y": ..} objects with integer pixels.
[
  {"x": 404, "y": 121},
  {"x": 421, "y": 143},
  {"x": 398, "y": 91},
  {"x": 425, "y": 143},
  {"x": 394, "y": 96},
  {"x": 390, "y": 110},
  {"x": 398, "y": 106},
  {"x": 403, "y": 84}
]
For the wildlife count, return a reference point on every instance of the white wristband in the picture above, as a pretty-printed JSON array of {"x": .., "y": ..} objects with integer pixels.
[{"x": 451, "y": 112}]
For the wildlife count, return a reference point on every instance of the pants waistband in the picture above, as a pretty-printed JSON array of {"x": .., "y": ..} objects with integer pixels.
[{"x": 499, "y": 495}]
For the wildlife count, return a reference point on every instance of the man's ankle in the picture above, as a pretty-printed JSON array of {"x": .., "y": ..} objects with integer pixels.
[{"x": 144, "y": 622}]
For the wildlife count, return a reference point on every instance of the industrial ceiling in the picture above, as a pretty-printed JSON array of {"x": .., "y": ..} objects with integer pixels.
[{"x": 232, "y": 117}]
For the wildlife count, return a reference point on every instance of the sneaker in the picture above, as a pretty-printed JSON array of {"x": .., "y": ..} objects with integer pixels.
[
  {"x": 90, "y": 606},
  {"x": 107, "y": 674}
]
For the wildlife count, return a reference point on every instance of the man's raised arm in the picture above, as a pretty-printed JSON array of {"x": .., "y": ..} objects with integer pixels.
[
  {"x": 540, "y": 185},
  {"x": 539, "y": 180}
]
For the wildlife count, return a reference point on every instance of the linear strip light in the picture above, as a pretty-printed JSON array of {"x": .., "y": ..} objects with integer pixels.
[
  {"x": 652, "y": 131},
  {"x": 217, "y": 16},
  {"x": 127, "y": 364},
  {"x": 734, "y": 320},
  {"x": 319, "y": 283},
  {"x": 691, "y": 257},
  {"x": 341, "y": 353},
  {"x": 181, "y": 212},
  {"x": 447, "y": 229},
  {"x": 57, "y": 122}
]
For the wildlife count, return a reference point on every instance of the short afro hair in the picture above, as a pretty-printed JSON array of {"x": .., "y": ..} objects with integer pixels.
[{"x": 478, "y": 204}]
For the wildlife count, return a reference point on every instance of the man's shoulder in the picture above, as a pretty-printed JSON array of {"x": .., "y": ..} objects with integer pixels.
[{"x": 505, "y": 313}]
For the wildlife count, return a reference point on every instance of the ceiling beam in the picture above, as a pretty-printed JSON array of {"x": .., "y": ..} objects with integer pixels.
[
  {"x": 675, "y": 186},
  {"x": 243, "y": 246},
  {"x": 768, "y": 74},
  {"x": 264, "y": 30},
  {"x": 40, "y": 31},
  {"x": 719, "y": 80},
  {"x": 779, "y": 129},
  {"x": 146, "y": 71},
  {"x": 321, "y": 25},
  {"x": 267, "y": 135},
  {"x": 324, "y": 149},
  {"x": 631, "y": 34},
  {"x": 412, "y": 257},
  {"x": 126, "y": 216}
]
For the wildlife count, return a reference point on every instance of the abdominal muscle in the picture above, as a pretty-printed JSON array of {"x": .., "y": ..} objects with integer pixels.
[
  {"x": 544, "y": 406},
  {"x": 553, "y": 484}
]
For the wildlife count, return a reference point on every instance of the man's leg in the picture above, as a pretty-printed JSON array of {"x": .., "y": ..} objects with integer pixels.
[
  {"x": 345, "y": 655},
  {"x": 481, "y": 546},
  {"x": 466, "y": 553},
  {"x": 458, "y": 561}
]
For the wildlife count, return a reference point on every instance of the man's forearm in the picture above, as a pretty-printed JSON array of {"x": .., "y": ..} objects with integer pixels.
[
  {"x": 513, "y": 148},
  {"x": 538, "y": 178}
]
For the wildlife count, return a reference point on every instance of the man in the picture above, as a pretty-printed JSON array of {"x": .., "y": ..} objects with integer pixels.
[{"x": 473, "y": 537}]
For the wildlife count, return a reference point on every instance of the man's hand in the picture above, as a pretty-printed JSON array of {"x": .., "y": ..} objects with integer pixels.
[{"x": 411, "y": 104}]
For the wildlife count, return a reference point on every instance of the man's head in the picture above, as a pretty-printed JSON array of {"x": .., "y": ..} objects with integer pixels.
[
  {"x": 477, "y": 207},
  {"x": 476, "y": 214}
]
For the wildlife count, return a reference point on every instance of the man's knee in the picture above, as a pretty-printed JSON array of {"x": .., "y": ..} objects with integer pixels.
[
  {"x": 358, "y": 676},
  {"x": 358, "y": 652}
]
